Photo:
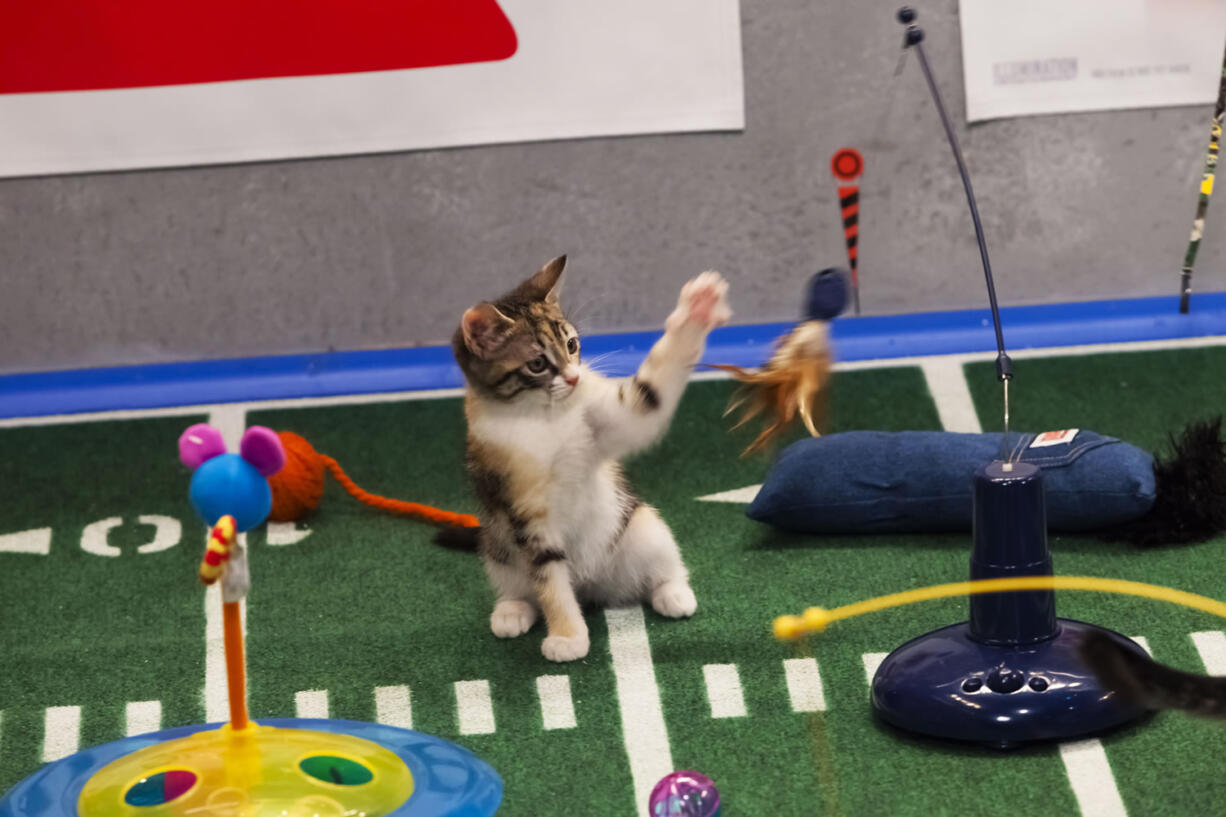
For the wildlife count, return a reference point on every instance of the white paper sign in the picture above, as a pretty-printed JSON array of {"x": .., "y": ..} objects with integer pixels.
[
  {"x": 1059, "y": 56},
  {"x": 580, "y": 68}
]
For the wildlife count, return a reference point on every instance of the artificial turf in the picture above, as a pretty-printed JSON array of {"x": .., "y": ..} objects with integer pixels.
[{"x": 366, "y": 600}]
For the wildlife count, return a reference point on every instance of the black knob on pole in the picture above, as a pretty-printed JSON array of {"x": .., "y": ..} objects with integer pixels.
[{"x": 915, "y": 34}]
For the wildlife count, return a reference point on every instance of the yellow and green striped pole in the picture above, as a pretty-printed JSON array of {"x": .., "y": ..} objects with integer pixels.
[{"x": 1206, "y": 190}]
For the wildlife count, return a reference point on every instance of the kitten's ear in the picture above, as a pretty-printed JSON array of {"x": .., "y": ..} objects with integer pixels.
[
  {"x": 485, "y": 329},
  {"x": 546, "y": 284}
]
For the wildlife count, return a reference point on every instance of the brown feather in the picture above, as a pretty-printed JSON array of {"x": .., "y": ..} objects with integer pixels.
[{"x": 793, "y": 382}]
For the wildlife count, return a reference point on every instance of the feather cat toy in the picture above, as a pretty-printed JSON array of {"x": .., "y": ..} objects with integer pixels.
[{"x": 792, "y": 384}]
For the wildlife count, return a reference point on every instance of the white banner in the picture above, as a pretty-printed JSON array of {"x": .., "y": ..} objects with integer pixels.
[
  {"x": 148, "y": 96},
  {"x": 1058, "y": 56}
]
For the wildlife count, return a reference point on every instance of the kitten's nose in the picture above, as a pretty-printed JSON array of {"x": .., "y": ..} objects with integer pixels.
[{"x": 571, "y": 379}]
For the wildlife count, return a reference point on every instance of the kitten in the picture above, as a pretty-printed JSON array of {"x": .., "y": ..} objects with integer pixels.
[
  {"x": 561, "y": 526},
  {"x": 1142, "y": 680}
]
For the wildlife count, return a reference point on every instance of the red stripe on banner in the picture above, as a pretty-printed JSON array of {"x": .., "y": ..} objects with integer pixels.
[
  {"x": 848, "y": 190},
  {"x": 853, "y": 254},
  {"x": 852, "y": 231},
  {"x": 851, "y": 211},
  {"x": 79, "y": 45}
]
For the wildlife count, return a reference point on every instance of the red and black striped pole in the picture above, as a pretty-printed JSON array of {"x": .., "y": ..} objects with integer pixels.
[{"x": 847, "y": 164}]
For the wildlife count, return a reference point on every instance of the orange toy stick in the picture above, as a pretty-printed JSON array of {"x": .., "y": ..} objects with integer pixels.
[{"x": 236, "y": 664}]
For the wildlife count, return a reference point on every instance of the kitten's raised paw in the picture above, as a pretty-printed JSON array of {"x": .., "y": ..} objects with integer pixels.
[
  {"x": 674, "y": 599},
  {"x": 703, "y": 304},
  {"x": 565, "y": 647},
  {"x": 511, "y": 618}
]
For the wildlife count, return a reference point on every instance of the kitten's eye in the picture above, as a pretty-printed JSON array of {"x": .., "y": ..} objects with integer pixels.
[
  {"x": 537, "y": 364},
  {"x": 572, "y": 345}
]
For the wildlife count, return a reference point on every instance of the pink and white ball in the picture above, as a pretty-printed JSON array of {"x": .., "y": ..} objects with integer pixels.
[{"x": 684, "y": 794}]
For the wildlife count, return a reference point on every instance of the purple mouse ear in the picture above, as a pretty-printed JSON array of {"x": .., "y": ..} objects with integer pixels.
[
  {"x": 200, "y": 443},
  {"x": 262, "y": 448}
]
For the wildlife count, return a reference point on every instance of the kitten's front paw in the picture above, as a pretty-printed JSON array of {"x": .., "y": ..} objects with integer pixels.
[
  {"x": 565, "y": 648},
  {"x": 703, "y": 304},
  {"x": 674, "y": 599},
  {"x": 512, "y": 617}
]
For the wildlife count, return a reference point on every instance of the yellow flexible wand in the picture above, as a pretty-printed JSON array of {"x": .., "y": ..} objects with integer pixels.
[{"x": 816, "y": 619}]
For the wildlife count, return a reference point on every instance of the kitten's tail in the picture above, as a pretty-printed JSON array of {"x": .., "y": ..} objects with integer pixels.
[
  {"x": 464, "y": 539},
  {"x": 1140, "y": 679}
]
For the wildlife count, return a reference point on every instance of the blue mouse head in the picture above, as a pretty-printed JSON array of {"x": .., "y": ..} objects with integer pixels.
[
  {"x": 826, "y": 295},
  {"x": 234, "y": 484}
]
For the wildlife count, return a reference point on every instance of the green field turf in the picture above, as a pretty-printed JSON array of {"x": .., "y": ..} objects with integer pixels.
[{"x": 364, "y": 601}]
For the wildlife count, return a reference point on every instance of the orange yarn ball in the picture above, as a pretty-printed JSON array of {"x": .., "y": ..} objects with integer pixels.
[{"x": 299, "y": 485}]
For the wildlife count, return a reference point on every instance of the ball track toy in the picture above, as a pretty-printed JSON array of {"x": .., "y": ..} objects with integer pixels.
[{"x": 285, "y": 767}]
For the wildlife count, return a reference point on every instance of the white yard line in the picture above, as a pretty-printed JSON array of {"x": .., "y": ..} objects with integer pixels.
[
  {"x": 142, "y": 716},
  {"x": 1144, "y": 642},
  {"x": 724, "y": 692},
  {"x": 804, "y": 685},
  {"x": 740, "y": 496},
  {"x": 1090, "y": 775},
  {"x": 1212, "y": 648},
  {"x": 872, "y": 660},
  {"x": 394, "y": 706},
  {"x": 284, "y": 533},
  {"x": 36, "y": 542},
  {"x": 311, "y": 703},
  {"x": 557, "y": 706},
  {"x": 216, "y": 693},
  {"x": 474, "y": 709},
  {"x": 638, "y": 698},
  {"x": 61, "y": 732},
  {"x": 952, "y": 396}
]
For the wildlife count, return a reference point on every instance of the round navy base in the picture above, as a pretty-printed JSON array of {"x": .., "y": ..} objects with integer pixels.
[{"x": 946, "y": 685}]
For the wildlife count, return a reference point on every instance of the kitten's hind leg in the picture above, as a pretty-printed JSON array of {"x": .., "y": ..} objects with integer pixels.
[{"x": 649, "y": 543}]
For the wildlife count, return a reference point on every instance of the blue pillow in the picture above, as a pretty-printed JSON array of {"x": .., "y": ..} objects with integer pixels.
[{"x": 892, "y": 482}]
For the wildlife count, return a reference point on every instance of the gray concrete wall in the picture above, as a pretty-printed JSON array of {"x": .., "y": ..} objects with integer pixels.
[{"x": 384, "y": 251}]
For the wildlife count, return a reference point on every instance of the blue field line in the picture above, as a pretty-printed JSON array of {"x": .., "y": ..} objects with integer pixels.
[{"x": 875, "y": 337}]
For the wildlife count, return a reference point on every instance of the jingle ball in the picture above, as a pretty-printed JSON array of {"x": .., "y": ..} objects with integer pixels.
[{"x": 684, "y": 794}]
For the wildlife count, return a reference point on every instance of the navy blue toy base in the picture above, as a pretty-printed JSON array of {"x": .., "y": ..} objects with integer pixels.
[{"x": 1013, "y": 673}]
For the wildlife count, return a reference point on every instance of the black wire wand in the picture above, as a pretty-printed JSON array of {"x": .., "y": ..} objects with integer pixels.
[{"x": 1004, "y": 366}]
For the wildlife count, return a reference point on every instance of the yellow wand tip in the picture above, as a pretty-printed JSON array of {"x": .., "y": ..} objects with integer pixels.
[
  {"x": 814, "y": 620},
  {"x": 788, "y": 628}
]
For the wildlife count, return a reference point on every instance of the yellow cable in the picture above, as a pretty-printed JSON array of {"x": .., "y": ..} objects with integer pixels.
[{"x": 815, "y": 619}]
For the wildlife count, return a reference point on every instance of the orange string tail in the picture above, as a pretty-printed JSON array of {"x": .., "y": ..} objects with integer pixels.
[{"x": 398, "y": 506}]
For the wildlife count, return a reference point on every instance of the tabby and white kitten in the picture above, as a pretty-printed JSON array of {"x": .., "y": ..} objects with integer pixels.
[{"x": 561, "y": 526}]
